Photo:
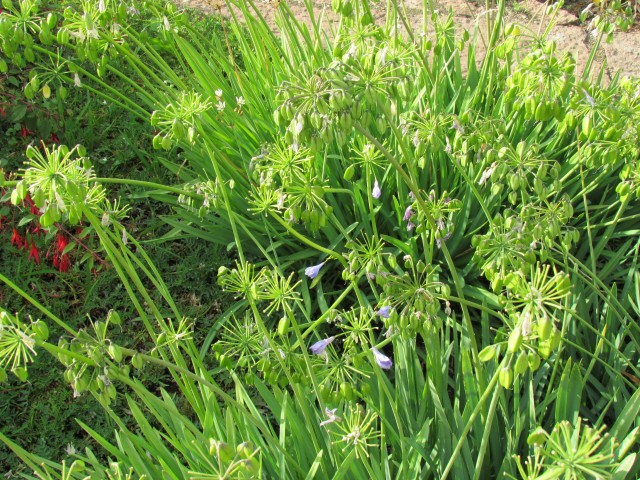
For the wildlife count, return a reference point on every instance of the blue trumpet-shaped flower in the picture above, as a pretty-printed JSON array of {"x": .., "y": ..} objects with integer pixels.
[
  {"x": 407, "y": 214},
  {"x": 376, "y": 192},
  {"x": 312, "y": 272},
  {"x": 320, "y": 346},
  {"x": 382, "y": 360},
  {"x": 384, "y": 312}
]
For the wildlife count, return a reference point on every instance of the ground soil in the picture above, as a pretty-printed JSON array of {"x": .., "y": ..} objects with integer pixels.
[{"x": 622, "y": 55}]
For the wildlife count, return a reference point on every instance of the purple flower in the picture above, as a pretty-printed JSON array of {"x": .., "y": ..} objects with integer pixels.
[
  {"x": 382, "y": 360},
  {"x": 376, "y": 192},
  {"x": 407, "y": 214},
  {"x": 312, "y": 272},
  {"x": 331, "y": 417},
  {"x": 384, "y": 311},
  {"x": 410, "y": 226},
  {"x": 319, "y": 347}
]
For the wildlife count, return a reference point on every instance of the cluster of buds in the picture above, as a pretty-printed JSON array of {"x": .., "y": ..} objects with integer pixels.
[
  {"x": 243, "y": 461},
  {"x": 104, "y": 364},
  {"x": 178, "y": 121},
  {"x": 534, "y": 335},
  {"x": 541, "y": 69},
  {"x": 325, "y": 105}
]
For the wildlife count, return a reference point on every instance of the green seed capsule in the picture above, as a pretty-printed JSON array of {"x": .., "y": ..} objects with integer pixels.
[
  {"x": 178, "y": 129},
  {"x": 505, "y": 377},
  {"x": 521, "y": 364},
  {"x": 41, "y": 330},
  {"x": 545, "y": 327},
  {"x": 487, "y": 353},
  {"x": 283, "y": 325},
  {"x": 136, "y": 361},
  {"x": 515, "y": 340},
  {"x": 349, "y": 172}
]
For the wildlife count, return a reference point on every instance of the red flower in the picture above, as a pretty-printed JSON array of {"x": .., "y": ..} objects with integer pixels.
[
  {"x": 34, "y": 253},
  {"x": 61, "y": 243},
  {"x": 16, "y": 239},
  {"x": 64, "y": 263},
  {"x": 24, "y": 131},
  {"x": 54, "y": 138},
  {"x": 61, "y": 261}
]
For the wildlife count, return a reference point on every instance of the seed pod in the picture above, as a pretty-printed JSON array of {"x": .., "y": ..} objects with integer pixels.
[
  {"x": 346, "y": 391},
  {"x": 62, "y": 37},
  {"x": 487, "y": 353},
  {"x": 544, "y": 348},
  {"x": 545, "y": 326},
  {"x": 283, "y": 325},
  {"x": 115, "y": 352},
  {"x": 78, "y": 467},
  {"x": 322, "y": 106},
  {"x": 349, "y": 172},
  {"x": 530, "y": 106},
  {"x": 587, "y": 124},
  {"x": 166, "y": 142},
  {"x": 41, "y": 330},
  {"x": 521, "y": 364},
  {"x": 556, "y": 338},
  {"x": 29, "y": 56},
  {"x": 515, "y": 340},
  {"x": 136, "y": 361},
  {"x": 327, "y": 134},
  {"x": 178, "y": 129},
  {"x": 21, "y": 373},
  {"x": 225, "y": 452},
  {"x": 191, "y": 134},
  {"x": 346, "y": 8},
  {"x": 316, "y": 119},
  {"x": 505, "y": 377},
  {"x": 272, "y": 378},
  {"x": 157, "y": 142}
]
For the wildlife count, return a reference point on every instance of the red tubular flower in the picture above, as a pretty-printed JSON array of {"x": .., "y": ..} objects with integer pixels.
[
  {"x": 64, "y": 263},
  {"x": 54, "y": 138},
  {"x": 16, "y": 239},
  {"x": 24, "y": 131},
  {"x": 34, "y": 253},
  {"x": 61, "y": 261}
]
